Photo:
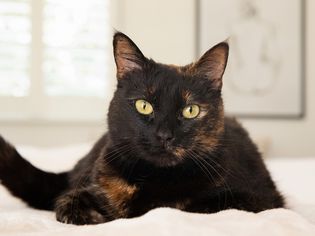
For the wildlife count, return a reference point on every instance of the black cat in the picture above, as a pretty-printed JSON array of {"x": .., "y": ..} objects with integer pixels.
[{"x": 168, "y": 145}]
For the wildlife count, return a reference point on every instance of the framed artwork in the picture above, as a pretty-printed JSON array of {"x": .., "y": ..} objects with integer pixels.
[{"x": 265, "y": 73}]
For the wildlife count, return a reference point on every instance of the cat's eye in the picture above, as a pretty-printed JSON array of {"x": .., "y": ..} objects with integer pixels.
[
  {"x": 191, "y": 111},
  {"x": 144, "y": 107}
]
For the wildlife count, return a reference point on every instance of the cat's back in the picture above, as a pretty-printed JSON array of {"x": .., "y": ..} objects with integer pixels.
[
  {"x": 233, "y": 126},
  {"x": 85, "y": 165},
  {"x": 235, "y": 133},
  {"x": 238, "y": 146},
  {"x": 242, "y": 153}
]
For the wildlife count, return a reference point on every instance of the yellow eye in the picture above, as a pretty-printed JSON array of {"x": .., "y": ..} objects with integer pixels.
[
  {"x": 191, "y": 111},
  {"x": 144, "y": 107}
]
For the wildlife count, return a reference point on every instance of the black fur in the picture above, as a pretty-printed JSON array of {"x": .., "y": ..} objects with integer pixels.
[
  {"x": 205, "y": 164},
  {"x": 38, "y": 188}
]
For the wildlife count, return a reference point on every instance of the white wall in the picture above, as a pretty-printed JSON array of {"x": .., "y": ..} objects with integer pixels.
[
  {"x": 165, "y": 31},
  {"x": 294, "y": 137}
]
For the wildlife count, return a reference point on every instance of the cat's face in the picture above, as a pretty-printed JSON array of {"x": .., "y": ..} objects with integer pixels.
[{"x": 166, "y": 113}]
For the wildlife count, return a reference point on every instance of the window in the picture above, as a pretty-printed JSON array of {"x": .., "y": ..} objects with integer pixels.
[
  {"x": 54, "y": 59},
  {"x": 15, "y": 41}
]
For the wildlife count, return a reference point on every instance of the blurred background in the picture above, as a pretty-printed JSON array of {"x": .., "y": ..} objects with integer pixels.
[{"x": 57, "y": 73}]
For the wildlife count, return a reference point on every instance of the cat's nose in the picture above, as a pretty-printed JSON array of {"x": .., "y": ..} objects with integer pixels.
[{"x": 165, "y": 136}]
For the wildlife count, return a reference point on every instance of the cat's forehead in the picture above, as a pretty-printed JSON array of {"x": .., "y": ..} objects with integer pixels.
[
  {"x": 163, "y": 82},
  {"x": 169, "y": 81},
  {"x": 174, "y": 81},
  {"x": 165, "y": 78}
]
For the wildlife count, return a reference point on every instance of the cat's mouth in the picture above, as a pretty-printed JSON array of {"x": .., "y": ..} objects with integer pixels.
[{"x": 166, "y": 156}]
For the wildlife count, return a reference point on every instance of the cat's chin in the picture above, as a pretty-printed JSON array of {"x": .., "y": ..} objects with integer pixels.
[{"x": 163, "y": 159}]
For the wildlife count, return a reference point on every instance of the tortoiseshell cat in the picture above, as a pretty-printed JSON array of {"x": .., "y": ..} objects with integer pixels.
[{"x": 168, "y": 145}]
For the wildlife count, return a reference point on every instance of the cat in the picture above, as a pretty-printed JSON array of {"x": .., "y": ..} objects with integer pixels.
[{"x": 168, "y": 144}]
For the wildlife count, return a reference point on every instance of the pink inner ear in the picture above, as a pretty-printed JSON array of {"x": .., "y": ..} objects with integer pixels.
[
  {"x": 125, "y": 65},
  {"x": 212, "y": 64},
  {"x": 126, "y": 57}
]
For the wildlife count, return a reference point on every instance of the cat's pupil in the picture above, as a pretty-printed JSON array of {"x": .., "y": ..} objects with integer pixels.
[
  {"x": 144, "y": 105},
  {"x": 190, "y": 109}
]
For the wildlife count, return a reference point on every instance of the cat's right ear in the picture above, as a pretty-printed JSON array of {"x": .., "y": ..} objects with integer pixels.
[{"x": 128, "y": 56}]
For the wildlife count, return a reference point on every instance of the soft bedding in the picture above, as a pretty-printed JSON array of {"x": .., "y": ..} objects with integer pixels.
[{"x": 294, "y": 176}]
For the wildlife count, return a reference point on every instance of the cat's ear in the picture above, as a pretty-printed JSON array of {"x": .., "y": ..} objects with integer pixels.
[
  {"x": 212, "y": 64},
  {"x": 127, "y": 55}
]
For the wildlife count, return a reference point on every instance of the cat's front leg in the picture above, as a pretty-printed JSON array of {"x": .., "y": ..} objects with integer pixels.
[
  {"x": 82, "y": 206},
  {"x": 246, "y": 201}
]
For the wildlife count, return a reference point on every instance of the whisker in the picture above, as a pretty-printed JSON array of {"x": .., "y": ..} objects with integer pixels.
[
  {"x": 229, "y": 173},
  {"x": 201, "y": 166},
  {"x": 226, "y": 186}
]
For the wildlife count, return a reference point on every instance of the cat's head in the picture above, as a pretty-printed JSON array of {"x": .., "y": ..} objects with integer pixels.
[{"x": 166, "y": 113}]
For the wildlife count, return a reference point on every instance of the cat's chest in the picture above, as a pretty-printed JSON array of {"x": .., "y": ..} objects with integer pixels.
[
  {"x": 131, "y": 199},
  {"x": 153, "y": 195}
]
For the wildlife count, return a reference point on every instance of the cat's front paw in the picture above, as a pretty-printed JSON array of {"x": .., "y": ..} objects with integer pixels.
[{"x": 75, "y": 208}]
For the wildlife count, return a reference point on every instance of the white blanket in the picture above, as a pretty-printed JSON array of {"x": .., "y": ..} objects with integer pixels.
[{"x": 295, "y": 178}]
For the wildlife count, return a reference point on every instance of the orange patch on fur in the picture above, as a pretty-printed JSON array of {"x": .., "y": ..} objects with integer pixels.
[
  {"x": 181, "y": 205},
  {"x": 118, "y": 192},
  {"x": 179, "y": 152},
  {"x": 207, "y": 141},
  {"x": 186, "y": 95},
  {"x": 210, "y": 140}
]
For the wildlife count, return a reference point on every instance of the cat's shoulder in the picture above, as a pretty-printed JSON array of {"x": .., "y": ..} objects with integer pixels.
[
  {"x": 232, "y": 125},
  {"x": 232, "y": 122}
]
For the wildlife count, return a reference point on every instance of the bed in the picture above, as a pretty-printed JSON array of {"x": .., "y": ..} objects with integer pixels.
[{"x": 294, "y": 176}]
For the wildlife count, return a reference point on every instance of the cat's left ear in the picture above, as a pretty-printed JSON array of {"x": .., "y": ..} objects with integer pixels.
[
  {"x": 212, "y": 64},
  {"x": 128, "y": 56}
]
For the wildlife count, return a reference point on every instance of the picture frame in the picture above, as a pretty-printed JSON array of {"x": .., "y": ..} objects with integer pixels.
[{"x": 265, "y": 75}]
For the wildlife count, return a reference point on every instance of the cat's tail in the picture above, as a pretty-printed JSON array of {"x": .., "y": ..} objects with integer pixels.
[{"x": 37, "y": 188}]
